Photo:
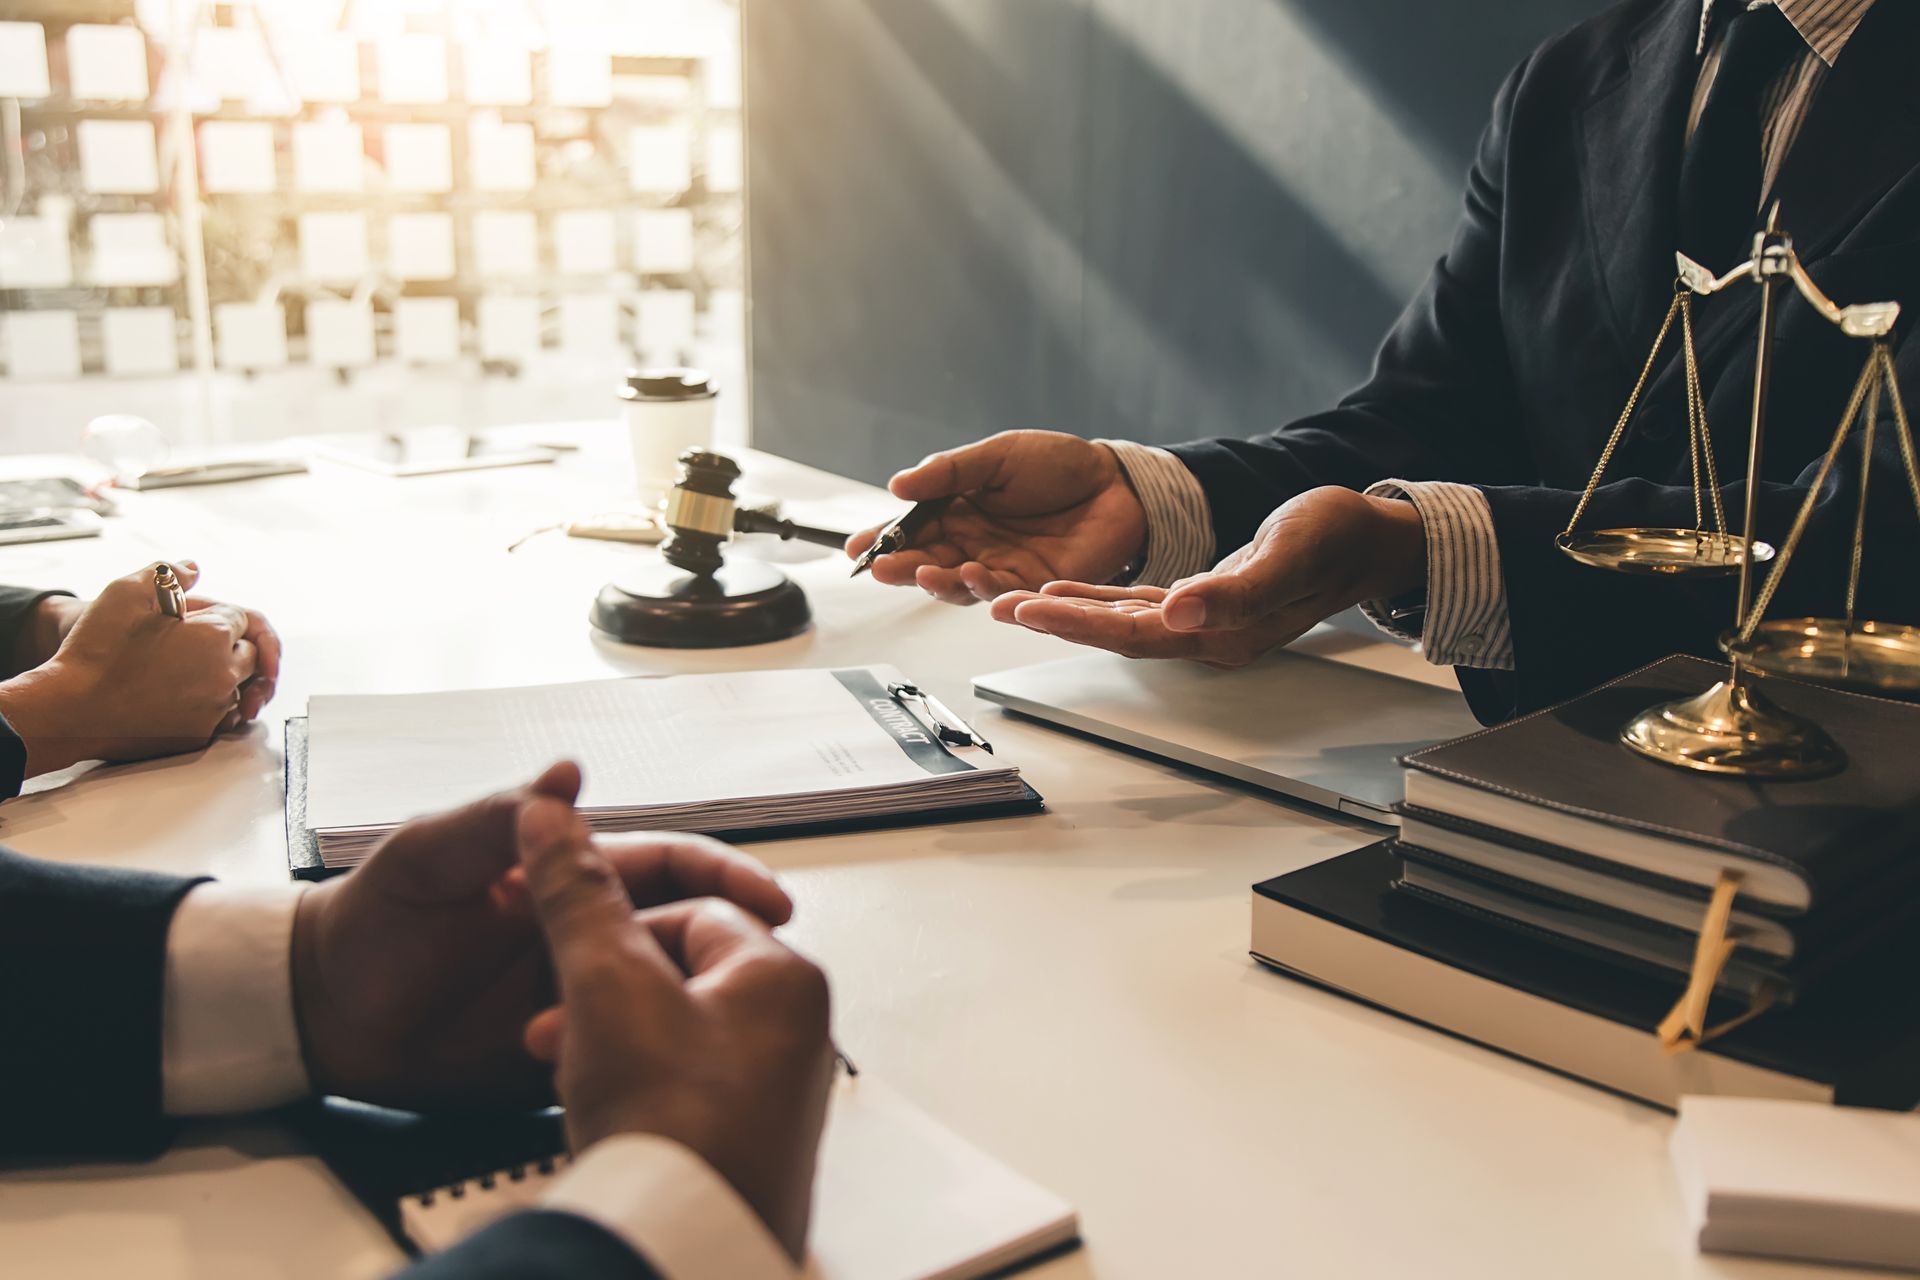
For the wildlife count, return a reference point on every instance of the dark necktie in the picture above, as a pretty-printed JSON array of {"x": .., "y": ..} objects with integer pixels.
[{"x": 1721, "y": 172}]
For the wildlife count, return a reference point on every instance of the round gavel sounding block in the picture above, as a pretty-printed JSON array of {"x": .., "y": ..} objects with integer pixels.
[{"x": 692, "y": 597}]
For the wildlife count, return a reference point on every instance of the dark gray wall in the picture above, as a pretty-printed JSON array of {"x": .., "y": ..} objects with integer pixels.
[{"x": 1150, "y": 218}]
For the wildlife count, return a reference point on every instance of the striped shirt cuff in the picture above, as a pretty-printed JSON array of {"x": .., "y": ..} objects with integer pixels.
[
  {"x": 1179, "y": 526},
  {"x": 1466, "y": 621}
]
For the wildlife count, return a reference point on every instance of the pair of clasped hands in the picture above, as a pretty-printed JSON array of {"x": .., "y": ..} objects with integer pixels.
[
  {"x": 115, "y": 678},
  {"x": 1043, "y": 523}
]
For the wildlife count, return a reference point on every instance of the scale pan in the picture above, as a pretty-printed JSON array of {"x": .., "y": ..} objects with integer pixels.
[
  {"x": 1675, "y": 551},
  {"x": 1865, "y": 655}
]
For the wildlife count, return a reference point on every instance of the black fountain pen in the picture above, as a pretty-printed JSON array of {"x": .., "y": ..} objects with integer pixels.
[{"x": 899, "y": 532}]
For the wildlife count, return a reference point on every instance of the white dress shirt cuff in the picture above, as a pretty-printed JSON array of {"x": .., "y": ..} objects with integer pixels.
[
  {"x": 228, "y": 1038},
  {"x": 1179, "y": 526},
  {"x": 673, "y": 1208},
  {"x": 1465, "y": 623}
]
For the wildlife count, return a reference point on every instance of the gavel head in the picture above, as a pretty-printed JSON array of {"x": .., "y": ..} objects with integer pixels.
[{"x": 699, "y": 514}]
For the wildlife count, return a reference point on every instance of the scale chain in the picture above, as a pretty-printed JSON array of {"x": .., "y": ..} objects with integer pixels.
[
  {"x": 1706, "y": 435},
  {"x": 1869, "y": 376},
  {"x": 1900, "y": 419},
  {"x": 1866, "y": 476},
  {"x": 1626, "y": 414}
]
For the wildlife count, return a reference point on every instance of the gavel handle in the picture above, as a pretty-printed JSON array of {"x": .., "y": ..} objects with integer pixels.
[{"x": 745, "y": 521}]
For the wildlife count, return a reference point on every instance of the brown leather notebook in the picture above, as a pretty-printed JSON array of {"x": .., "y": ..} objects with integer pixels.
[{"x": 1562, "y": 781}]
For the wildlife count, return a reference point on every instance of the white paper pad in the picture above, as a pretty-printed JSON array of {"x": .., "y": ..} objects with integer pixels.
[
  {"x": 1801, "y": 1179},
  {"x": 898, "y": 1196},
  {"x": 709, "y": 752}
]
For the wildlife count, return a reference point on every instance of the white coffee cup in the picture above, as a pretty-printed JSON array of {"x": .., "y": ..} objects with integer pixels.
[{"x": 669, "y": 411}]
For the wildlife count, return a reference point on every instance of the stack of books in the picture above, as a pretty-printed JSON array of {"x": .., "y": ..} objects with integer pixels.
[{"x": 1549, "y": 891}]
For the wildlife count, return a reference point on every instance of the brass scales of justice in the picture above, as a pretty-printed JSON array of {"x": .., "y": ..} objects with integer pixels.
[{"x": 1733, "y": 727}]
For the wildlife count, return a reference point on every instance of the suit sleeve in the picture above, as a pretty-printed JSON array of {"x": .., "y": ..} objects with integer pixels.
[
  {"x": 16, "y": 611},
  {"x": 82, "y": 971},
  {"x": 539, "y": 1245},
  {"x": 1440, "y": 404}
]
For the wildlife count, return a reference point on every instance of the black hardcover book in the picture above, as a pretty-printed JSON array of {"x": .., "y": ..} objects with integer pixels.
[
  {"x": 1343, "y": 925},
  {"x": 1561, "y": 778},
  {"x": 1616, "y": 936}
]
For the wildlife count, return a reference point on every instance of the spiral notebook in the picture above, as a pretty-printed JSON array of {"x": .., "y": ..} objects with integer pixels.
[{"x": 898, "y": 1197}]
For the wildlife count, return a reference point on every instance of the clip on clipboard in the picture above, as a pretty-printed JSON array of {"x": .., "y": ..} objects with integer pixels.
[{"x": 946, "y": 726}]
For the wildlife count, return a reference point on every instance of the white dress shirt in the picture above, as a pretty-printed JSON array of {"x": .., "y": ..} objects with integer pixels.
[
  {"x": 1465, "y": 621},
  {"x": 230, "y": 1044}
]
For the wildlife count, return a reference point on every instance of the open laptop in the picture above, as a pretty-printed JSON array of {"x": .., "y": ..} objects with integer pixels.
[{"x": 1324, "y": 720}]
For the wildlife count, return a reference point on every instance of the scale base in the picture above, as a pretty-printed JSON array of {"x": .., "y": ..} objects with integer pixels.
[
  {"x": 1733, "y": 728},
  {"x": 668, "y": 608}
]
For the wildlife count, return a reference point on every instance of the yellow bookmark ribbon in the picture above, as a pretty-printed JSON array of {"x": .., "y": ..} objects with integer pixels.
[{"x": 1685, "y": 1026}]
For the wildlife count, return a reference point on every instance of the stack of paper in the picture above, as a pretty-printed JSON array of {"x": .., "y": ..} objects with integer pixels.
[
  {"x": 716, "y": 753},
  {"x": 1801, "y": 1180}
]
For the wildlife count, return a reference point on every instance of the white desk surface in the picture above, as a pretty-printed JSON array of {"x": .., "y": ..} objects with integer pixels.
[{"x": 1072, "y": 991}]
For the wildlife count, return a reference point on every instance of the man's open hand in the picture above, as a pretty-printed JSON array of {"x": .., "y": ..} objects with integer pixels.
[{"x": 1324, "y": 551}]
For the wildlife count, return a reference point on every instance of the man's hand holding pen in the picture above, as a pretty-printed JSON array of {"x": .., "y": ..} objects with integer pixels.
[
  {"x": 1027, "y": 508},
  {"x": 127, "y": 680}
]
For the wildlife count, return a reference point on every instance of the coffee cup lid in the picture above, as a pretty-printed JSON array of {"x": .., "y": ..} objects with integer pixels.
[{"x": 667, "y": 384}]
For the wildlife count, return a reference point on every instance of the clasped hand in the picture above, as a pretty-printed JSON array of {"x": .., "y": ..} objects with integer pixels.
[
  {"x": 116, "y": 679},
  {"x": 500, "y": 953}
]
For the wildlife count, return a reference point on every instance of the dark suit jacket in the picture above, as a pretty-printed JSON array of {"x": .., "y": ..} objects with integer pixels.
[
  {"x": 82, "y": 956},
  {"x": 16, "y": 607},
  {"x": 1508, "y": 370}
]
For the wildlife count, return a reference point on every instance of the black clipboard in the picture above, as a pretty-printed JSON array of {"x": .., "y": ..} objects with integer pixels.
[{"x": 303, "y": 847}]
